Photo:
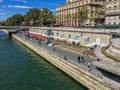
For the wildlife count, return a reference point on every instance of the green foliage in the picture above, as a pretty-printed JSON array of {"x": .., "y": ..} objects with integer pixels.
[
  {"x": 2, "y": 23},
  {"x": 81, "y": 15},
  {"x": 46, "y": 17},
  {"x": 75, "y": 16},
  {"x": 100, "y": 13},
  {"x": 68, "y": 16},
  {"x": 14, "y": 20},
  {"x": 33, "y": 17}
]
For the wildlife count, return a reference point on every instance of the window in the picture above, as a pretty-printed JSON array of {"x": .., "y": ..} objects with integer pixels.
[
  {"x": 115, "y": 6},
  {"x": 114, "y": 23}
]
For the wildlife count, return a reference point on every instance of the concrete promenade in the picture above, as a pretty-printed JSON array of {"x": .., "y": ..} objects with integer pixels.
[
  {"x": 72, "y": 57},
  {"x": 108, "y": 65}
]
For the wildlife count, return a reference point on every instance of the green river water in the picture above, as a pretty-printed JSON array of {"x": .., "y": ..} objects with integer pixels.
[{"x": 22, "y": 69}]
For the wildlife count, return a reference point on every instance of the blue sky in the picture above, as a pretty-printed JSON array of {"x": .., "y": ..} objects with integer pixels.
[{"x": 11, "y": 7}]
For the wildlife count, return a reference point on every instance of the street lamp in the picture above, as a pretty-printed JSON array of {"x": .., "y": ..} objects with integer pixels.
[
  {"x": 48, "y": 39},
  {"x": 59, "y": 48}
]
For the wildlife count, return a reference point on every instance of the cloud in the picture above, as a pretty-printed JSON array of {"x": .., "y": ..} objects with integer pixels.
[
  {"x": 2, "y": 13},
  {"x": 18, "y": 6},
  {"x": 1, "y": 0},
  {"x": 45, "y": 3},
  {"x": 1, "y": 10},
  {"x": 3, "y": 17},
  {"x": 24, "y": 1}
]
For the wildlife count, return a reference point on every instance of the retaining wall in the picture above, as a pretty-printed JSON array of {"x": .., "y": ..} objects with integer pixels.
[{"x": 84, "y": 77}]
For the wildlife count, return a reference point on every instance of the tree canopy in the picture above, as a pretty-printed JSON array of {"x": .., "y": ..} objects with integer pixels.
[
  {"x": 81, "y": 15},
  {"x": 33, "y": 17}
]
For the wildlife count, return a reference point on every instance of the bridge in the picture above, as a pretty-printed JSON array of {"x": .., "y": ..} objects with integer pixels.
[{"x": 89, "y": 30}]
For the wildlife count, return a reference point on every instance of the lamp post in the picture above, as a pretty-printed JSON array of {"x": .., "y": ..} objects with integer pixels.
[
  {"x": 59, "y": 48},
  {"x": 28, "y": 33},
  {"x": 48, "y": 39}
]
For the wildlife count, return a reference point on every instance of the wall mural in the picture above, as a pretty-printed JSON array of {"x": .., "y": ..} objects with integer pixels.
[
  {"x": 77, "y": 37},
  {"x": 87, "y": 39}
]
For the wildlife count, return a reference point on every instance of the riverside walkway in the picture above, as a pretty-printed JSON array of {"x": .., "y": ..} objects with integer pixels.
[{"x": 72, "y": 57}]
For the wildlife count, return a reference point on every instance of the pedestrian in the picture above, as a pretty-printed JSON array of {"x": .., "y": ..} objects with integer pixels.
[
  {"x": 39, "y": 41},
  {"x": 87, "y": 55},
  {"x": 65, "y": 58},
  {"x": 82, "y": 59},
  {"x": 88, "y": 64},
  {"x": 98, "y": 59},
  {"x": 79, "y": 59}
]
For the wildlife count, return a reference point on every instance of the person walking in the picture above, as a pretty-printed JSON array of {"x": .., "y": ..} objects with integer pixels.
[
  {"x": 79, "y": 59},
  {"x": 87, "y": 55},
  {"x": 88, "y": 64},
  {"x": 98, "y": 59},
  {"x": 65, "y": 58},
  {"x": 82, "y": 59}
]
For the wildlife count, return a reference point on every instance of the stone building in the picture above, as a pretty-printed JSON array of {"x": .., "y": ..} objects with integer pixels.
[
  {"x": 112, "y": 12},
  {"x": 95, "y": 12}
]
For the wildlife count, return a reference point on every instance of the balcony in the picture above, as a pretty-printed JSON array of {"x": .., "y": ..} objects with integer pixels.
[
  {"x": 96, "y": 3},
  {"x": 113, "y": 14}
]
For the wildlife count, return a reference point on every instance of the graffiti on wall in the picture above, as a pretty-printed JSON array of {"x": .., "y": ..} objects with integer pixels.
[{"x": 87, "y": 39}]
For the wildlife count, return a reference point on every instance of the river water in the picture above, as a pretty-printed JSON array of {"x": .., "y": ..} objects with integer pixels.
[{"x": 22, "y": 69}]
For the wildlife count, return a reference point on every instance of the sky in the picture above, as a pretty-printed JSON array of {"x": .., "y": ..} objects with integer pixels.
[{"x": 11, "y": 7}]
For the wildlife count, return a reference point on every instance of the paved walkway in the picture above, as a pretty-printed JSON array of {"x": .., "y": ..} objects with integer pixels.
[
  {"x": 107, "y": 63},
  {"x": 72, "y": 56}
]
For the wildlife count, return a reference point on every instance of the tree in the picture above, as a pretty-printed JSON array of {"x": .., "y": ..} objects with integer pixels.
[
  {"x": 68, "y": 17},
  {"x": 17, "y": 19},
  {"x": 32, "y": 16},
  {"x": 2, "y": 23},
  {"x": 46, "y": 17},
  {"x": 14, "y": 20},
  {"x": 100, "y": 16},
  {"x": 82, "y": 15},
  {"x": 75, "y": 17},
  {"x": 99, "y": 13}
]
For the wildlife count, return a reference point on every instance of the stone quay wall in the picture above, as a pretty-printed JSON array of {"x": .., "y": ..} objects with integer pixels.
[
  {"x": 96, "y": 36},
  {"x": 116, "y": 41},
  {"x": 83, "y": 77}
]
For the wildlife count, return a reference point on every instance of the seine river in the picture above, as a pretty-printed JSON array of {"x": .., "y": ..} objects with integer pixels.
[{"x": 22, "y": 69}]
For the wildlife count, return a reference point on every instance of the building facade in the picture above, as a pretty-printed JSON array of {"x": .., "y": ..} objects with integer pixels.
[
  {"x": 95, "y": 12},
  {"x": 112, "y": 12}
]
